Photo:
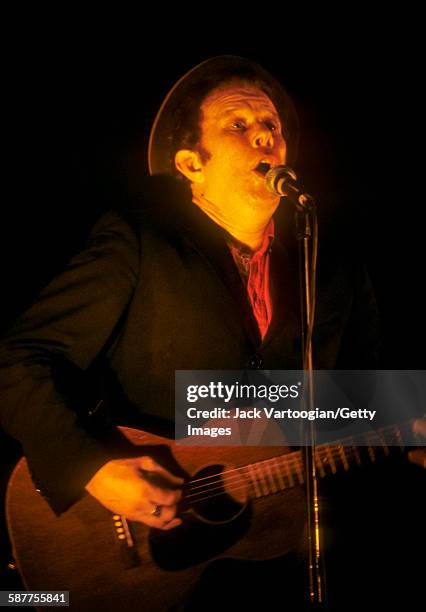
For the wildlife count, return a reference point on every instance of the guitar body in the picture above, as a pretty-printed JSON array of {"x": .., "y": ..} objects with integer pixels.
[{"x": 79, "y": 551}]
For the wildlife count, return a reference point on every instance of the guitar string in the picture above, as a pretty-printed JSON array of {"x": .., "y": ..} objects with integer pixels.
[
  {"x": 276, "y": 462},
  {"x": 202, "y": 499},
  {"x": 352, "y": 451},
  {"x": 246, "y": 482},
  {"x": 336, "y": 448},
  {"x": 293, "y": 460}
]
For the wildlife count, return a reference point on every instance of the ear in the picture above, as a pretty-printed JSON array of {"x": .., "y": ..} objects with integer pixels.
[{"x": 189, "y": 164}]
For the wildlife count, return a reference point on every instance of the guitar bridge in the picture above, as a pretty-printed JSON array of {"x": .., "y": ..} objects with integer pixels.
[{"x": 129, "y": 554}]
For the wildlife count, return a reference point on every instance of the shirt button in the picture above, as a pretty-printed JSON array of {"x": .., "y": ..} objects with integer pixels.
[{"x": 255, "y": 362}]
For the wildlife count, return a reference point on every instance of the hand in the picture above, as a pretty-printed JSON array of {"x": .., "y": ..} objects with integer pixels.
[
  {"x": 419, "y": 455},
  {"x": 135, "y": 488}
]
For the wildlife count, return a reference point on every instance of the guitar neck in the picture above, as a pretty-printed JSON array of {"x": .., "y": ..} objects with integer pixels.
[{"x": 279, "y": 473}]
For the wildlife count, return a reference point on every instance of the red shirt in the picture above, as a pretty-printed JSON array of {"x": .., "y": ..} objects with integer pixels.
[{"x": 254, "y": 270}]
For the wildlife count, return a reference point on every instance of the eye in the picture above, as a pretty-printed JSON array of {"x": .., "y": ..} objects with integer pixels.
[
  {"x": 238, "y": 124},
  {"x": 271, "y": 125}
]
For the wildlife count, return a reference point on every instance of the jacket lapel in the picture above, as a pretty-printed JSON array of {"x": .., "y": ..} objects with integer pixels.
[{"x": 209, "y": 241}]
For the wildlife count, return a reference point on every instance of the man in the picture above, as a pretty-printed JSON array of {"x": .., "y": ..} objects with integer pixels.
[
  {"x": 200, "y": 278},
  {"x": 94, "y": 308},
  {"x": 240, "y": 128}
]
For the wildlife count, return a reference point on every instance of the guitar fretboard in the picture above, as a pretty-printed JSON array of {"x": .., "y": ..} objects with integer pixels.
[{"x": 272, "y": 475}]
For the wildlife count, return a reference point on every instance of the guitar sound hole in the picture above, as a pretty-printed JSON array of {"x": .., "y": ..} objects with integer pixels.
[{"x": 218, "y": 493}]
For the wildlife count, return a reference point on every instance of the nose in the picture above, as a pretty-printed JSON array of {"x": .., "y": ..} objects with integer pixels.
[{"x": 262, "y": 136}]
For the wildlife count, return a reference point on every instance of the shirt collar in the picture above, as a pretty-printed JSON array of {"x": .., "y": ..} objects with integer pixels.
[{"x": 243, "y": 250}]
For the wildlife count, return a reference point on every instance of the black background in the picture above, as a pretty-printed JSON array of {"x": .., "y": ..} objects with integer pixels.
[{"x": 82, "y": 100}]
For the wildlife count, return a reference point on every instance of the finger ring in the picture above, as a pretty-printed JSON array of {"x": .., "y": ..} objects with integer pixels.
[{"x": 157, "y": 510}]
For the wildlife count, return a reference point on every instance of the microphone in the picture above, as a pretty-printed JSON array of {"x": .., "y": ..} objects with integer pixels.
[{"x": 282, "y": 181}]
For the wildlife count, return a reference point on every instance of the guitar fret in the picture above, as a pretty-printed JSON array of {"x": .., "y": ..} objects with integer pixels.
[
  {"x": 356, "y": 455},
  {"x": 261, "y": 480},
  {"x": 372, "y": 438},
  {"x": 383, "y": 444},
  {"x": 331, "y": 460},
  {"x": 271, "y": 477},
  {"x": 299, "y": 472},
  {"x": 279, "y": 475},
  {"x": 345, "y": 463},
  {"x": 289, "y": 474},
  {"x": 319, "y": 464},
  {"x": 253, "y": 479}
]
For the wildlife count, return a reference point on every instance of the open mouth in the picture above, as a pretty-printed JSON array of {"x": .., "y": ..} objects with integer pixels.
[{"x": 262, "y": 168}]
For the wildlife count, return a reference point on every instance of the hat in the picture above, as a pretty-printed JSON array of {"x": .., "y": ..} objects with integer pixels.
[{"x": 184, "y": 100}]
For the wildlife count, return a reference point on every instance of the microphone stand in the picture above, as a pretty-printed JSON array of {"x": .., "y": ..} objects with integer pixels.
[
  {"x": 282, "y": 180},
  {"x": 307, "y": 229}
]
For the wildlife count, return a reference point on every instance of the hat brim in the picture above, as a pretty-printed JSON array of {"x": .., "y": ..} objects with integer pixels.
[{"x": 214, "y": 70}]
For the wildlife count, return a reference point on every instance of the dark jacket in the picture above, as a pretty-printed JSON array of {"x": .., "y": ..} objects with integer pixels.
[{"x": 154, "y": 291}]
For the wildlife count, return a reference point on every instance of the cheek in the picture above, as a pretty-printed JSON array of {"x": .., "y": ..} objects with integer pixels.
[
  {"x": 282, "y": 151},
  {"x": 229, "y": 161},
  {"x": 233, "y": 149}
]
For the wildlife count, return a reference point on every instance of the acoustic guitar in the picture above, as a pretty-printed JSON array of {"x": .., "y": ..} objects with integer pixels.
[{"x": 241, "y": 502}]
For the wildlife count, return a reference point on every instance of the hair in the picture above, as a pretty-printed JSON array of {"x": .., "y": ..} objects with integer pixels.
[{"x": 186, "y": 132}]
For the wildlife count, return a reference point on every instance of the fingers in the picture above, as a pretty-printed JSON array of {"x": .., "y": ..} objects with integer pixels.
[
  {"x": 158, "y": 480},
  {"x": 419, "y": 426},
  {"x": 167, "y": 517},
  {"x": 165, "y": 520},
  {"x": 129, "y": 488},
  {"x": 162, "y": 497},
  {"x": 164, "y": 525},
  {"x": 418, "y": 457},
  {"x": 148, "y": 464},
  {"x": 159, "y": 505},
  {"x": 174, "y": 523}
]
